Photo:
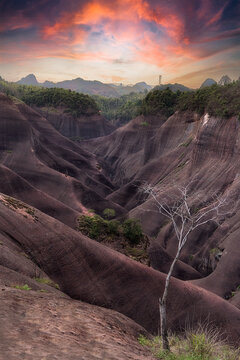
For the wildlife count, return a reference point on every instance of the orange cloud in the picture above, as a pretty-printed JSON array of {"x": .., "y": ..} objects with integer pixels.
[
  {"x": 117, "y": 78},
  {"x": 126, "y": 11}
]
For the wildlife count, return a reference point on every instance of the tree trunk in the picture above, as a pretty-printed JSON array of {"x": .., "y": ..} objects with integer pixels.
[
  {"x": 163, "y": 322},
  {"x": 163, "y": 305}
]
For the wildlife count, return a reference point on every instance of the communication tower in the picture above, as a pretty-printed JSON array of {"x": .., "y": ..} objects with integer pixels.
[{"x": 160, "y": 79}]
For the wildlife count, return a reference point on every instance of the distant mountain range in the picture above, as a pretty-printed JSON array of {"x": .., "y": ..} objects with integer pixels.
[
  {"x": 89, "y": 87},
  {"x": 225, "y": 79},
  {"x": 113, "y": 90}
]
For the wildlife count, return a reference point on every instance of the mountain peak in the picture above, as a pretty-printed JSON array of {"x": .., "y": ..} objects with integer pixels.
[
  {"x": 30, "y": 79},
  {"x": 225, "y": 79},
  {"x": 208, "y": 82}
]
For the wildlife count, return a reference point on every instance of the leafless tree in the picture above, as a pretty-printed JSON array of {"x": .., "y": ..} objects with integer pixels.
[{"x": 185, "y": 219}]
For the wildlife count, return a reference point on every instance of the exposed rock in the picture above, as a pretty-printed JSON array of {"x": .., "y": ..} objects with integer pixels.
[
  {"x": 41, "y": 325},
  {"x": 45, "y": 169},
  {"x": 77, "y": 129},
  {"x": 183, "y": 149},
  {"x": 161, "y": 261},
  {"x": 91, "y": 272}
]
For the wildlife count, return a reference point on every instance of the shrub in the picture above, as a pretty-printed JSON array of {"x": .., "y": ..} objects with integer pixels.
[
  {"x": 132, "y": 231},
  {"x": 109, "y": 213},
  {"x": 97, "y": 228}
]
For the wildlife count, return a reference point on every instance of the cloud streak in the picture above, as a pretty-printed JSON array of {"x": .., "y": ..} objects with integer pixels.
[{"x": 170, "y": 35}]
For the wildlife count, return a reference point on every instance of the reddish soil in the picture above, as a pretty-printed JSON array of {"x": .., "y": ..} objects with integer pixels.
[{"x": 47, "y": 180}]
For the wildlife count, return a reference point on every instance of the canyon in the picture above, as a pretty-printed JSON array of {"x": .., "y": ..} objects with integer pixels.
[{"x": 48, "y": 179}]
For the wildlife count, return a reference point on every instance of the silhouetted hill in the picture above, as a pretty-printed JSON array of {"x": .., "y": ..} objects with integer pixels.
[
  {"x": 173, "y": 87},
  {"x": 88, "y": 87},
  {"x": 225, "y": 79},
  {"x": 208, "y": 82},
  {"x": 128, "y": 89},
  {"x": 29, "y": 80}
]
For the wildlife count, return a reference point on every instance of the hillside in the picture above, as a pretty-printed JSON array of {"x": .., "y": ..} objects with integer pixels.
[
  {"x": 53, "y": 191},
  {"x": 185, "y": 148},
  {"x": 74, "y": 115}
]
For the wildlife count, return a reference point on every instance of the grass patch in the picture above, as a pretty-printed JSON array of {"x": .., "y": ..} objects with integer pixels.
[
  {"x": 47, "y": 282},
  {"x": 15, "y": 204},
  {"x": 137, "y": 254},
  {"x": 144, "y": 123},
  {"x": 187, "y": 142},
  {"x": 200, "y": 345},
  {"x": 22, "y": 287}
]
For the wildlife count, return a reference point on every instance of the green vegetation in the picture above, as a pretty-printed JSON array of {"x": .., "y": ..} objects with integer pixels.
[
  {"x": 22, "y": 287},
  {"x": 126, "y": 237},
  {"x": 194, "y": 346},
  {"x": 97, "y": 228},
  {"x": 109, "y": 213},
  {"x": 47, "y": 282},
  {"x": 132, "y": 231},
  {"x": 222, "y": 101},
  {"x": 187, "y": 142},
  {"x": 120, "y": 110},
  {"x": 160, "y": 102},
  {"x": 72, "y": 102},
  {"x": 217, "y": 100},
  {"x": 102, "y": 229}
]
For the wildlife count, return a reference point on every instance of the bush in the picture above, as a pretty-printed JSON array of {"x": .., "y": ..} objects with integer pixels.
[
  {"x": 97, "y": 228},
  {"x": 132, "y": 231},
  {"x": 109, "y": 213},
  {"x": 159, "y": 102}
]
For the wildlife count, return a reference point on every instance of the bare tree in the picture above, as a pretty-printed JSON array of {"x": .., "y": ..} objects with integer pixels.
[{"x": 184, "y": 219}]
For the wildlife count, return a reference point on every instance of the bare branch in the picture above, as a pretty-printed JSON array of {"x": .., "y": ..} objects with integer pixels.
[{"x": 184, "y": 221}]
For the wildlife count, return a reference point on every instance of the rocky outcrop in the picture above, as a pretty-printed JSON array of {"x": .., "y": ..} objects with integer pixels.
[
  {"x": 47, "y": 170},
  {"x": 42, "y": 325},
  {"x": 47, "y": 174},
  {"x": 88, "y": 271},
  {"x": 184, "y": 149},
  {"x": 77, "y": 129}
]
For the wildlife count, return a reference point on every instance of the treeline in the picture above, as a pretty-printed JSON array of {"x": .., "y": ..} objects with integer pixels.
[
  {"x": 73, "y": 103},
  {"x": 217, "y": 100},
  {"x": 122, "y": 109},
  {"x": 160, "y": 102}
]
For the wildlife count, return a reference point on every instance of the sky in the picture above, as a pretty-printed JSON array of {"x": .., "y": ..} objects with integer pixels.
[{"x": 120, "y": 41}]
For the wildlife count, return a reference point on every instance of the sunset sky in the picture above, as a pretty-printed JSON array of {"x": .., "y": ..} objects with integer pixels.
[{"x": 120, "y": 40}]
